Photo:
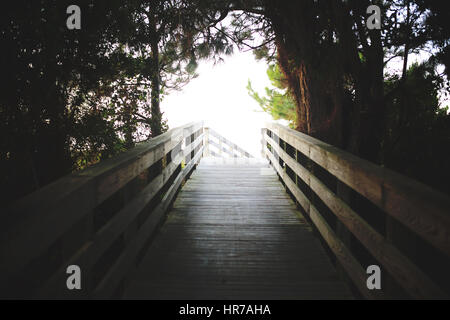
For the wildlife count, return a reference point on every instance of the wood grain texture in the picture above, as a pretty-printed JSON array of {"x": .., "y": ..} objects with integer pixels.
[
  {"x": 421, "y": 209},
  {"x": 125, "y": 263},
  {"x": 234, "y": 233},
  {"x": 408, "y": 275},
  {"x": 34, "y": 223},
  {"x": 102, "y": 240},
  {"x": 353, "y": 268}
]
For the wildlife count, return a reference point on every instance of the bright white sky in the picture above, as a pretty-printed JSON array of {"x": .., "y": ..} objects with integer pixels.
[{"x": 219, "y": 97}]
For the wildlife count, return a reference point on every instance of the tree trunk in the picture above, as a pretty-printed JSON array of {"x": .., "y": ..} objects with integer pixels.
[
  {"x": 373, "y": 116},
  {"x": 52, "y": 155},
  {"x": 156, "y": 116},
  {"x": 128, "y": 125},
  {"x": 314, "y": 85}
]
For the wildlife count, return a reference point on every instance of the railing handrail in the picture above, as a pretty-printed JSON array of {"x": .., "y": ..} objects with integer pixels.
[
  {"x": 418, "y": 207},
  {"x": 233, "y": 147},
  {"x": 31, "y": 225}
]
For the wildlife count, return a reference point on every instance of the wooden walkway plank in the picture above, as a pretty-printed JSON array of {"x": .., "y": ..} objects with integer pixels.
[{"x": 234, "y": 233}]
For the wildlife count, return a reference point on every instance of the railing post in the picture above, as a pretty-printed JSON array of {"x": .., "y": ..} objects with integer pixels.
[
  {"x": 225, "y": 147},
  {"x": 263, "y": 142},
  {"x": 206, "y": 142},
  {"x": 344, "y": 192}
]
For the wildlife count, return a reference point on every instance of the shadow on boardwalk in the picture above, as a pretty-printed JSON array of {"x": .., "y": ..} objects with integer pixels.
[{"x": 234, "y": 233}]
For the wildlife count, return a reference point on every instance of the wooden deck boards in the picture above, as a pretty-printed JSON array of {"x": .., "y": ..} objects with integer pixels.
[{"x": 234, "y": 233}]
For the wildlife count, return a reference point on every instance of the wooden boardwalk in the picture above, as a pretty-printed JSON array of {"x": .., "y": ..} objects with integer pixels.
[{"x": 234, "y": 233}]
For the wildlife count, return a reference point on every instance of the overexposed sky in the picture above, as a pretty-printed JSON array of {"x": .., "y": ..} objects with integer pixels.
[{"x": 219, "y": 97}]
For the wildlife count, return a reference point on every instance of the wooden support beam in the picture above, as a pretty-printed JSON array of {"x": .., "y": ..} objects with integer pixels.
[
  {"x": 386, "y": 189},
  {"x": 408, "y": 275},
  {"x": 401, "y": 197},
  {"x": 34, "y": 224}
]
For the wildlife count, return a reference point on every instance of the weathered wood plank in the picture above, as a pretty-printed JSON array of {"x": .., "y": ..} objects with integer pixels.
[
  {"x": 50, "y": 212},
  {"x": 233, "y": 146},
  {"x": 90, "y": 253},
  {"x": 353, "y": 268},
  {"x": 126, "y": 261},
  {"x": 230, "y": 242},
  {"x": 407, "y": 274},
  {"x": 420, "y": 208},
  {"x": 191, "y": 147}
]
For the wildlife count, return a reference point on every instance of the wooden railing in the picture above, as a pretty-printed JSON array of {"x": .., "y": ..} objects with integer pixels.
[
  {"x": 101, "y": 219},
  {"x": 218, "y": 146},
  {"x": 367, "y": 215}
]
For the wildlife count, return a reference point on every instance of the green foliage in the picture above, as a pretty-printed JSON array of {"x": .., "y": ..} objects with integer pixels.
[
  {"x": 52, "y": 78},
  {"x": 71, "y": 98},
  {"x": 277, "y": 101},
  {"x": 171, "y": 37},
  {"x": 74, "y": 97}
]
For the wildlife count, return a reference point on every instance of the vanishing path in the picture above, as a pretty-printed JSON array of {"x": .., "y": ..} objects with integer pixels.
[{"x": 234, "y": 233}]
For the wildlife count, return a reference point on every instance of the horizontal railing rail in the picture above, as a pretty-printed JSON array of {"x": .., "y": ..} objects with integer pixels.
[
  {"x": 218, "y": 146},
  {"x": 415, "y": 216},
  {"x": 100, "y": 219}
]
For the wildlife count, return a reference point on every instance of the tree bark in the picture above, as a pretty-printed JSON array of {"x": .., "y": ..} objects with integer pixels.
[{"x": 314, "y": 85}]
